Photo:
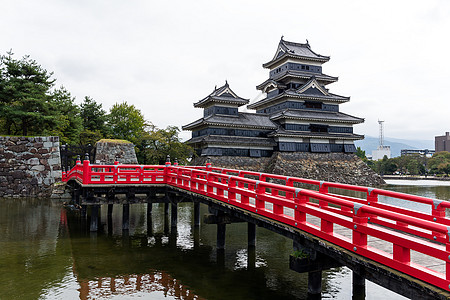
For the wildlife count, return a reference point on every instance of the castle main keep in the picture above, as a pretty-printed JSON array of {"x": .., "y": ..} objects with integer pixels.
[
  {"x": 298, "y": 113},
  {"x": 297, "y": 129}
]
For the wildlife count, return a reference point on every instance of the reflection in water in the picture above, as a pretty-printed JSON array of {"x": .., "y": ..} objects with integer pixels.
[
  {"x": 135, "y": 286},
  {"x": 34, "y": 254},
  {"x": 41, "y": 258}
]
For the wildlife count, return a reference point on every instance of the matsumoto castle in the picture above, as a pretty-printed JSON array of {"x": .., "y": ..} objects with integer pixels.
[{"x": 298, "y": 114}]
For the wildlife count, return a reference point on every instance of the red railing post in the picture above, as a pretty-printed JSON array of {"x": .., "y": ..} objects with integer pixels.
[
  {"x": 209, "y": 179},
  {"x": 323, "y": 189},
  {"x": 372, "y": 197},
  {"x": 231, "y": 187},
  {"x": 447, "y": 261},
  {"x": 166, "y": 170},
  {"x": 289, "y": 182},
  {"x": 259, "y": 194},
  {"x": 438, "y": 212},
  {"x": 208, "y": 163},
  {"x": 86, "y": 172},
  {"x": 300, "y": 202},
  {"x": 141, "y": 173},
  {"x": 360, "y": 219},
  {"x": 115, "y": 171}
]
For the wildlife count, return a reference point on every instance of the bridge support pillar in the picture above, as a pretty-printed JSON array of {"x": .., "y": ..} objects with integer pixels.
[
  {"x": 196, "y": 214},
  {"x": 221, "y": 230},
  {"x": 174, "y": 215},
  {"x": 76, "y": 196},
  {"x": 110, "y": 209},
  {"x": 109, "y": 219},
  {"x": 359, "y": 286},
  {"x": 251, "y": 234},
  {"x": 166, "y": 224},
  {"x": 196, "y": 238},
  {"x": 94, "y": 218},
  {"x": 315, "y": 282},
  {"x": 149, "y": 209},
  {"x": 166, "y": 208},
  {"x": 83, "y": 211},
  {"x": 251, "y": 250},
  {"x": 126, "y": 216}
]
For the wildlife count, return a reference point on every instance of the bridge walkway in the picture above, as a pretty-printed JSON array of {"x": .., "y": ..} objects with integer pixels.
[{"x": 359, "y": 231}]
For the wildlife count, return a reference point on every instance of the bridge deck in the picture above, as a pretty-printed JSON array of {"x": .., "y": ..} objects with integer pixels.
[{"x": 358, "y": 232}]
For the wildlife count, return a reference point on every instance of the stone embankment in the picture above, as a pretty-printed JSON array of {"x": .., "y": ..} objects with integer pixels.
[
  {"x": 333, "y": 167},
  {"x": 108, "y": 151},
  {"x": 29, "y": 166}
]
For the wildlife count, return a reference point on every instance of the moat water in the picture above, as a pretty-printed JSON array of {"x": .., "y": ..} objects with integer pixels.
[{"x": 40, "y": 258}]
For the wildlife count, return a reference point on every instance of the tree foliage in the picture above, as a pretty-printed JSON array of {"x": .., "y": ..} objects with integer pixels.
[
  {"x": 440, "y": 163},
  {"x": 26, "y": 105},
  {"x": 93, "y": 118},
  {"x": 414, "y": 164},
  {"x": 126, "y": 122},
  {"x": 69, "y": 120},
  {"x": 30, "y": 105},
  {"x": 157, "y": 143}
]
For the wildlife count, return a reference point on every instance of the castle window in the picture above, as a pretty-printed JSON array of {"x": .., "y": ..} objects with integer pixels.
[
  {"x": 318, "y": 128},
  {"x": 314, "y": 105}
]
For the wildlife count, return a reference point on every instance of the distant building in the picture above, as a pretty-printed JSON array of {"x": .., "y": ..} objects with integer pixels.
[
  {"x": 422, "y": 152},
  {"x": 298, "y": 114},
  {"x": 442, "y": 143},
  {"x": 382, "y": 149},
  {"x": 381, "y": 152}
]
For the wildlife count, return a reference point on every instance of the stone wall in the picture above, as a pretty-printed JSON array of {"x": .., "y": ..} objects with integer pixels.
[
  {"x": 29, "y": 166},
  {"x": 108, "y": 151},
  {"x": 334, "y": 167}
]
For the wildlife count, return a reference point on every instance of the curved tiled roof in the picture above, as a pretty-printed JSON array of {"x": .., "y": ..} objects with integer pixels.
[
  {"x": 233, "y": 140},
  {"x": 316, "y": 115},
  {"x": 288, "y": 49},
  {"x": 244, "y": 120},
  {"x": 307, "y": 96},
  {"x": 305, "y": 75},
  {"x": 319, "y": 135},
  {"x": 224, "y": 95}
]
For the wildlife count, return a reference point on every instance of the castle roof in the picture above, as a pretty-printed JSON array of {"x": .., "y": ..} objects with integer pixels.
[
  {"x": 242, "y": 120},
  {"x": 311, "y": 90},
  {"x": 280, "y": 132},
  {"x": 223, "y": 95},
  {"x": 233, "y": 140},
  {"x": 288, "y": 49},
  {"x": 315, "y": 115},
  {"x": 304, "y": 75}
]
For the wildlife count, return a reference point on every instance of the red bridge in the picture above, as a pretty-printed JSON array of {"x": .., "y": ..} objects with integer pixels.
[{"x": 387, "y": 244}]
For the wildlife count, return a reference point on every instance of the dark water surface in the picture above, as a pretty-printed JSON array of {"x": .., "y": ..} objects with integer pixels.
[{"x": 40, "y": 258}]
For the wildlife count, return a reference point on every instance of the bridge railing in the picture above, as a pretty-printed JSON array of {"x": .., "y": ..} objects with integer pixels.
[
  {"x": 436, "y": 207},
  {"x": 88, "y": 173},
  {"x": 349, "y": 222},
  {"x": 325, "y": 216}
]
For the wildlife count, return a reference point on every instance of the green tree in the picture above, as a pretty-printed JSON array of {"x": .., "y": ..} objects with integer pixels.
[
  {"x": 94, "y": 119},
  {"x": 93, "y": 116},
  {"x": 157, "y": 143},
  {"x": 69, "y": 121},
  {"x": 25, "y": 96},
  {"x": 89, "y": 137},
  {"x": 126, "y": 122},
  {"x": 439, "y": 163}
]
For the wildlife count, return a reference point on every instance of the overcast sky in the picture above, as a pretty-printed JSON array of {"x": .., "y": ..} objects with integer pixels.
[{"x": 392, "y": 57}]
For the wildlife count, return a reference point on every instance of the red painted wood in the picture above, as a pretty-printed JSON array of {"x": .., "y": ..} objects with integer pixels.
[{"x": 285, "y": 203}]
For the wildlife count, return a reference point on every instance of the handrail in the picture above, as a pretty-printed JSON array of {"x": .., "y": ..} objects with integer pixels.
[{"x": 427, "y": 233}]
